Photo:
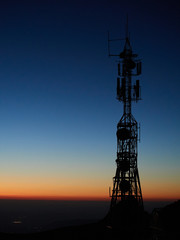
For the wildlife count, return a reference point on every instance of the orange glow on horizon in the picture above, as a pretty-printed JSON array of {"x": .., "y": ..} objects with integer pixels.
[
  {"x": 67, "y": 198},
  {"x": 75, "y": 189},
  {"x": 78, "y": 198}
]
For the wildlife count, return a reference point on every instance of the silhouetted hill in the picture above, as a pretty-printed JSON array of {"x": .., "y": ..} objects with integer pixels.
[
  {"x": 166, "y": 221},
  {"x": 170, "y": 216}
]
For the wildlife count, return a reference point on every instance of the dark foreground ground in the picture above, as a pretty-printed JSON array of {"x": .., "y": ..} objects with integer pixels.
[
  {"x": 91, "y": 231},
  {"x": 162, "y": 224}
]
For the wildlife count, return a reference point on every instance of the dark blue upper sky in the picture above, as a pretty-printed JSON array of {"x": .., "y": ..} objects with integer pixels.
[{"x": 58, "y": 86}]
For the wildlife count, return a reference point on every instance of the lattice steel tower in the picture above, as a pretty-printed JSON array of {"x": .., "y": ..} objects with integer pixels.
[{"x": 126, "y": 183}]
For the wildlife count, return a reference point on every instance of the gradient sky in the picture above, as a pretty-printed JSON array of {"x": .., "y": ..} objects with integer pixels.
[{"x": 58, "y": 107}]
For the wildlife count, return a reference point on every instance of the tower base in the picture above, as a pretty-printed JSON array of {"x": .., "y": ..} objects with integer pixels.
[{"x": 126, "y": 214}]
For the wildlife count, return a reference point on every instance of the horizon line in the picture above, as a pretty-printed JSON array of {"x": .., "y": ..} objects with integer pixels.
[{"x": 76, "y": 198}]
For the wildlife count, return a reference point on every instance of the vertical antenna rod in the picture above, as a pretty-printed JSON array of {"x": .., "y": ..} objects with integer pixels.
[{"x": 127, "y": 26}]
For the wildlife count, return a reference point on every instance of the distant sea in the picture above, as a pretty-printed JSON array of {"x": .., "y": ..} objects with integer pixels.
[{"x": 23, "y": 216}]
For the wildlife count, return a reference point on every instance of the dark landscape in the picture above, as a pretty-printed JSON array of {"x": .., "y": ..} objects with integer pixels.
[{"x": 161, "y": 223}]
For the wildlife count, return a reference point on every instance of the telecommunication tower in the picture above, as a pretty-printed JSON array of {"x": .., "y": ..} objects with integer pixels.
[{"x": 126, "y": 182}]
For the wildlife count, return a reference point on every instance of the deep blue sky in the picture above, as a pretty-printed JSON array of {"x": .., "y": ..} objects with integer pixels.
[{"x": 58, "y": 107}]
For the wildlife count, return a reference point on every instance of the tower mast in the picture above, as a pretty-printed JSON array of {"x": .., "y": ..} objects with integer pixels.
[{"x": 126, "y": 182}]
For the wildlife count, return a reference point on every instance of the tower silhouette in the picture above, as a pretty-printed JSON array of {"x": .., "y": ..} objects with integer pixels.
[{"x": 126, "y": 182}]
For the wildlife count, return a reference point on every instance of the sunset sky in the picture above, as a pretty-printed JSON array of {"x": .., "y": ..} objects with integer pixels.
[{"x": 58, "y": 107}]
